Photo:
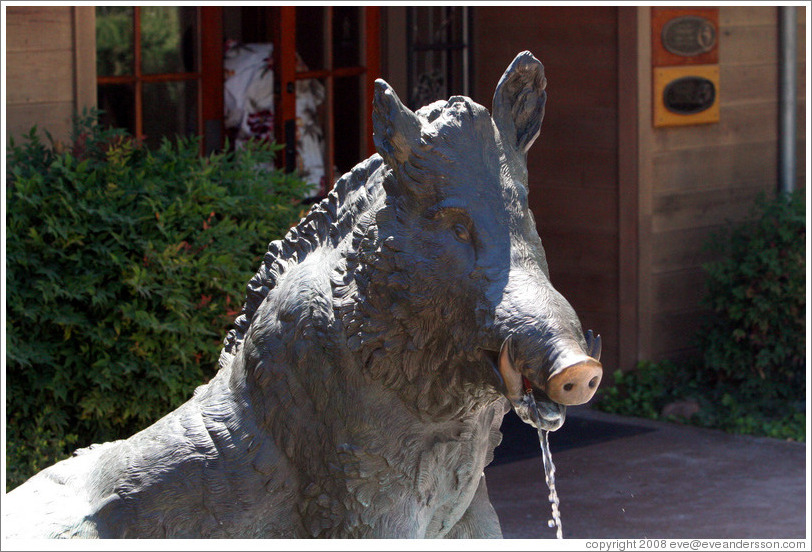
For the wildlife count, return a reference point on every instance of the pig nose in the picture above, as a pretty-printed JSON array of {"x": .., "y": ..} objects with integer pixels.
[{"x": 575, "y": 384}]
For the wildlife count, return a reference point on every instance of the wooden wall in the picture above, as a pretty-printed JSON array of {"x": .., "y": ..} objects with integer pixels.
[
  {"x": 393, "y": 46},
  {"x": 694, "y": 179},
  {"x": 573, "y": 165},
  {"x": 50, "y": 67}
]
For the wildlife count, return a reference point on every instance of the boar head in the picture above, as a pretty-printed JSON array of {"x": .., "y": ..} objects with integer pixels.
[{"x": 458, "y": 271}]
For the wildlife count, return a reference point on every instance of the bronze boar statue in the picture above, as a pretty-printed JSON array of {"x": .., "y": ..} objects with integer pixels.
[{"x": 381, "y": 342}]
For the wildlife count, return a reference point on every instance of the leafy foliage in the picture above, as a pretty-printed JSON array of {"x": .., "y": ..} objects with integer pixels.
[
  {"x": 758, "y": 296},
  {"x": 752, "y": 377},
  {"x": 114, "y": 40},
  {"x": 161, "y": 39},
  {"x": 642, "y": 392},
  {"x": 125, "y": 269},
  {"x": 647, "y": 390}
]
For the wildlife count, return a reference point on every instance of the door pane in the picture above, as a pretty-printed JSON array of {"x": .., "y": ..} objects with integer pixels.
[
  {"x": 169, "y": 39},
  {"x": 438, "y": 53},
  {"x": 347, "y": 36},
  {"x": 348, "y": 123},
  {"x": 170, "y": 108},
  {"x": 114, "y": 41},
  {"x": 310, "y": 32},
  {"x": 117, "y": 105},
  {"x": 438, "y": 25},
  {"x": 438, "y": 74},
  {"x": 311, "y": 134}
]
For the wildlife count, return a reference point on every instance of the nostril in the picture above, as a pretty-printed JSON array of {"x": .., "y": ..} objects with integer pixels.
[
  {"x": 593, "y": 382},
  {"x": 568, "y": 386}
]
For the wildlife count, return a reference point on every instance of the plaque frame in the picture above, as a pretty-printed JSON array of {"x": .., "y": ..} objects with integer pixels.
[
  {"x": 663, "y": 76},
  {"x": 661, "y": 56}
]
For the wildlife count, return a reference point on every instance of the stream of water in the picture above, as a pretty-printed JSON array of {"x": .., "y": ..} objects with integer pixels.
[{"x": 549, "y": 470}]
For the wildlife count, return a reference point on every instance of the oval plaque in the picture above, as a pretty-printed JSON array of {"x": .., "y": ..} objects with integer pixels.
[
  {"x": 689, "y": 35},
  {"x": 689, "y": 95}
]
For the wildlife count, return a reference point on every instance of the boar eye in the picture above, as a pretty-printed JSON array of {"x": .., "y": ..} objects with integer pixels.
[{"x": 461, "y": 233}]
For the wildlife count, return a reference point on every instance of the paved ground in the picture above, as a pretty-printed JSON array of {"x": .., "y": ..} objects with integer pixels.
[{"x": 658, "y": 480}]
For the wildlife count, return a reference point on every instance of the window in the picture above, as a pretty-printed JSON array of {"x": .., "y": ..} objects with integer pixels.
[
  {"x": 304, "y": 75},
  {"x": 160, "y": 72},
  {"x": 439, "y": 49},
  {"x": 337, "y": 58},
  {"x": 148, "y": 70}
]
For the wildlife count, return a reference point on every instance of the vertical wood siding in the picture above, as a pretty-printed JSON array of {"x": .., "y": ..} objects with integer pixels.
[{"x": 702, "y": 176}]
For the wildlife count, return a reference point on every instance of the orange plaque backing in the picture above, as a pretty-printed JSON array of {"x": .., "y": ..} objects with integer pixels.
[
  {"x": 686, "y": 95},
  {"x": 684, "y": 36}
]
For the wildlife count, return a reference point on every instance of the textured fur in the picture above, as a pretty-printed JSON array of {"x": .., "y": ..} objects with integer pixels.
[{"x": 357, "y": 395}]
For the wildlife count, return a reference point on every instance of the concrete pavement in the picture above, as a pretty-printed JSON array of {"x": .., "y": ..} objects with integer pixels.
[{"x": 657, "y": 480}]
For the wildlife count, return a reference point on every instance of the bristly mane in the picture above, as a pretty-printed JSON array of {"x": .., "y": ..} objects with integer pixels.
[
  {"x": 325, "y": 224},
  {"x": 334, "y": 218}
]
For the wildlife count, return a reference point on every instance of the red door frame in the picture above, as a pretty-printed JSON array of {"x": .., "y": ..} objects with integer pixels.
[
  {"x": 285, "y": 36},
  {"x": 211, "y": 84}
]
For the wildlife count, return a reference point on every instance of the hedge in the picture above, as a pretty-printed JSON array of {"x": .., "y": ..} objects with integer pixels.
[
  {"x": 751, "y": 375},
  {"x": 125, "y": 270}
]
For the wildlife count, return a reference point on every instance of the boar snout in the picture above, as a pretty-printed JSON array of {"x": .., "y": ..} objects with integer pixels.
[
  {"x": 575, "y": 384},
  {"x": 578, "y": 382},
  {"x": 571, "y": 384},
  {"x": 544, "y": 346}
]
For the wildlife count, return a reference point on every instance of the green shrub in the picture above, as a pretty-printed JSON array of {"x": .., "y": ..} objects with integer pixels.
[
  {"x": 125, "y": 269},
  {"x": 641, "y": 392},
  {"x": 645, "y": 391},
  {"x": 756, "y": 338},
  {"x": 727, "y": 409},
  {"x": 751, "y": 378}
]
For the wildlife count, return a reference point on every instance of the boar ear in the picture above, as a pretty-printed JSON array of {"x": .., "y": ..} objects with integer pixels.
[
  {"x": 396, "y": 129},
  {"x": 518, "y": 102}
]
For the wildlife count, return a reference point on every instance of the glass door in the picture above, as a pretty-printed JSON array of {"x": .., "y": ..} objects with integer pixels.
[
  {"x": 328, "y": 59},
  {"x": 439, "y": 53}
]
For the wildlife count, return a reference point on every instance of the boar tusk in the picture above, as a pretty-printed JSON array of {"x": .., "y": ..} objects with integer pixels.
[
  {"x": 510, "y": 375},
  {"x": 593, "y": 345}
]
